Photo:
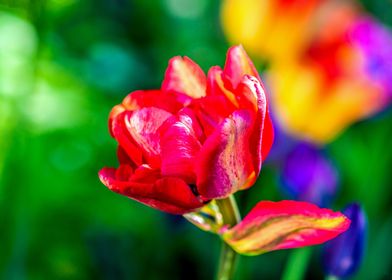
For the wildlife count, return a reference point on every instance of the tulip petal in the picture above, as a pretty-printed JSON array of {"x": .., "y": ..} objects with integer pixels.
[
  {"x": 282, "y": 225},
  {"x": 237, "y": 65},
  {"x": 123, "y": 157},
  {"x": 250, "y": 94},
  {"x": 217, "y": 84},
  {"x": 183, "y": 76},
  {"x": 167, "y": 194},
  {"x": 114, "y": 113},
  {"x": 224, "y": 164},
  {"x": 136, "y": 132},
  {"x": 145, "y": 98},
  {"x": 209, "y": 114},
  {"x": 151, "y": 98},
  {"x": 143, "y": 126},
  {"x": 179, "y": 145},
  {"x": 120, "y": 132},
  {"x": 268, "y": 136}
]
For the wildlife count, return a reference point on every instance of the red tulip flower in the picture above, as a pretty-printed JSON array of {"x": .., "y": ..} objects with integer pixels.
[
  {"x": 200, "y": 139},
  {"x": 196, "y": 139}
]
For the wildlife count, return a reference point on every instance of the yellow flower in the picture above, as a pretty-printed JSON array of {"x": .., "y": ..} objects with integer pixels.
[
  {"x": 273, "y": 29},
  {"x": 326, "y": 66}
]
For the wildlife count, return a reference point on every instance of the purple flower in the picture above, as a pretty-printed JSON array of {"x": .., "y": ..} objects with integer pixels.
[
  {"x": 283, "y": 142},
  {"x": 309, "y": 176},
  {"x": 343, "y": 255},
  {"x": 374, "y": 42}
]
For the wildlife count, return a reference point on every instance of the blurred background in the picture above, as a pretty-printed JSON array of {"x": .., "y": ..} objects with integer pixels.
[{"x": 65, "y": 63}]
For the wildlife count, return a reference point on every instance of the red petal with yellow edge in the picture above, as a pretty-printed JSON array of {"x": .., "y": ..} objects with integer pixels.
[
  {"x": 217, "y": 84},
  {"x": 282, "y": 225},
  {"x": 224, "y": 164},
  {"x": 183, "y": 76},
  {"x": 237, "y": 65},
  {"x": 168, "y": 194}
]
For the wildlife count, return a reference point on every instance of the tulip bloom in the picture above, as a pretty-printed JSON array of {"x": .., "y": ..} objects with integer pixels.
[
  {"x": 374, "y": 42},
  {"x": 196, "y": 139},
  {"x": 329, "y": 63},
  {"x": 202, "y": 138},
  {"x": 308, "y": 175},
  {"x": 343, "y": 255},
  {"x": 342, "y": 77}
]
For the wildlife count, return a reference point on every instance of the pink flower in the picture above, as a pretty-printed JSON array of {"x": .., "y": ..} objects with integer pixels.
[{"x": 196, "y": 139}]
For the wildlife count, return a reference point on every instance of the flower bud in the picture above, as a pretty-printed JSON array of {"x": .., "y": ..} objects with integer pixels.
[{"x": 343, "y": 255}]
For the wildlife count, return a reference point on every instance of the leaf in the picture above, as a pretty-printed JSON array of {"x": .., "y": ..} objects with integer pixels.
[{"x": 208, "y": 218}]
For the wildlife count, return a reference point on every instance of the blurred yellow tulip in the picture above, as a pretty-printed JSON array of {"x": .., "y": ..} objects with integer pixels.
[
  {"x": 329, "y": 65},
  {"x": 273, "y": 29},
  {"x": 310, "y": 108}
]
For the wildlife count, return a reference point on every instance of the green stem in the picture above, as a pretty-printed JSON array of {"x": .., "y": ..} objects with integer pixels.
[
  {"x": 297, "y": 264},
  {"x": 331, "y": 277},
  {"x": 231, "y": 217}
]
